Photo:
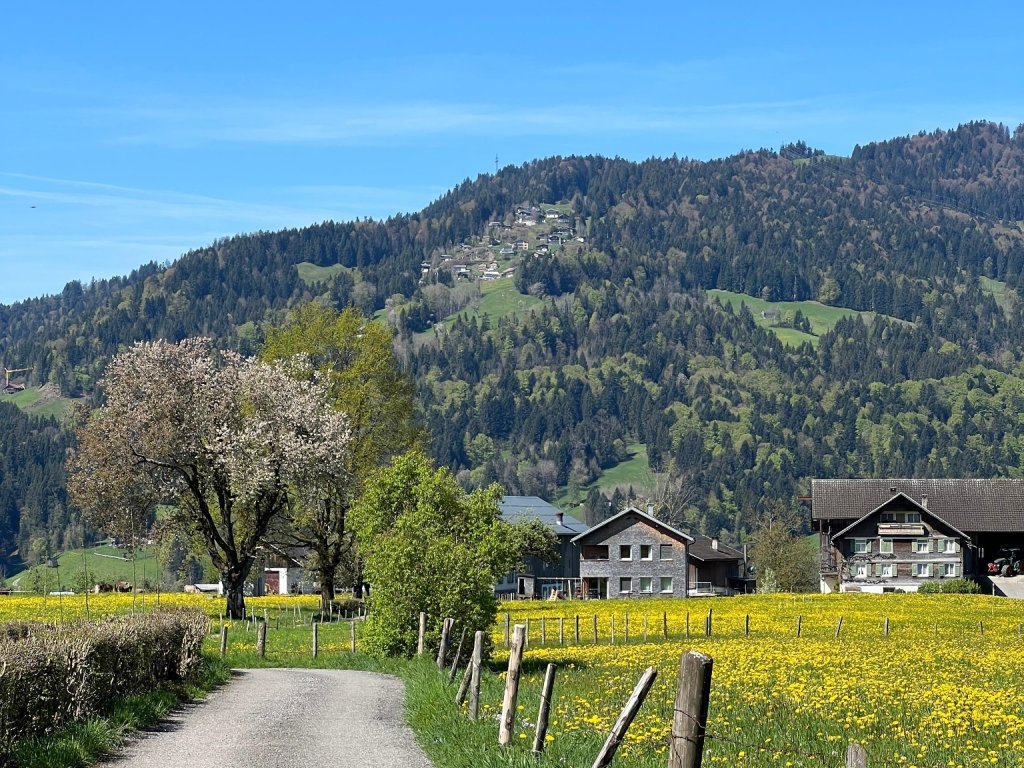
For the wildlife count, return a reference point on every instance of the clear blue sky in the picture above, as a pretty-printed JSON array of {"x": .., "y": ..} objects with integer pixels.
[{"x": 134, "y": 131}]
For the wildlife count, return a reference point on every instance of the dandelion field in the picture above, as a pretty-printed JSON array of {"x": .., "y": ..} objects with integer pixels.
[{"x": 944, "y": 687}]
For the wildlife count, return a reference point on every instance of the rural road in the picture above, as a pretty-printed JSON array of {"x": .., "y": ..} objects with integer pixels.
[{"x": 285, "y": 718}]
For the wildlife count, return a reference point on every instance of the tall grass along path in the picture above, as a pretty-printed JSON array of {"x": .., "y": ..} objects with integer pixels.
[{"x": 286, "y": 718}]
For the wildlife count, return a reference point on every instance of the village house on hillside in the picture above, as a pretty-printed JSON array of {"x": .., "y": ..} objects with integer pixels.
[
  {"x": 888, "y": 535},
  {"x": 540, "y": 579},
  {"x": 716, "y": 568},
  {"x": 633, "y": 554}
]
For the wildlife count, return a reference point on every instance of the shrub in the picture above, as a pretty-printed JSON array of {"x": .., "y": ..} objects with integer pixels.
[
  {"x": 53, "y": 676},
  {"x": 950, "y": 587}
]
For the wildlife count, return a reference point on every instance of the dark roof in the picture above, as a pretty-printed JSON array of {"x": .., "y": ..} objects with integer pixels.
[
  {"x": 649, "y": 519},
  {"x": 702, "y": 550},
  {"x": 970, "y": 505},
  {"x": 902, "y": 500},
  {"x": 515, "y": 508}
]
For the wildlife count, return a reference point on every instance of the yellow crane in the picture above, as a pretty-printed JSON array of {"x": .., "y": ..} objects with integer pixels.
[{"x": 9, "y": 371}]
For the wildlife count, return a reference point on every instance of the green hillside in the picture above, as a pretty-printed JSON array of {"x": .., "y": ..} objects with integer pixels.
[
  {"x": 103, "y": 563},
  {"x": 39, "y": 401},
  {"x": 769, "y": 314}
]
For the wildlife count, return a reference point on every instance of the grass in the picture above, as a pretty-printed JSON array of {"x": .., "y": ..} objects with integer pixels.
[
  {"x": 87, "y": 742},
  {"x": 634, "y": 471},
  {"x": 32, "y": 401},
  {"x": 997, "y": 290},
  {"x": 499, "y": 299},
  {"x": 821, "y": 317},
  {"x": 311, "y": 274},
  {"x": 105, "y": 564}
]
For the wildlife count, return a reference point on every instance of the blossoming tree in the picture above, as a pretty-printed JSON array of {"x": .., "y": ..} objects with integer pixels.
[{"x": 230, "y": 442}]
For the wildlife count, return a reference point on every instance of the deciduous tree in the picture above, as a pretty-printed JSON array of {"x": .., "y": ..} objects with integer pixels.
[{"x": 227, "y": 439}]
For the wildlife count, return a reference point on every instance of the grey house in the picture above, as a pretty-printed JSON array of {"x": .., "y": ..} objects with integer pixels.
[
  {"x": 537, "y": 578},
  {"x": 633, "y": 554}
]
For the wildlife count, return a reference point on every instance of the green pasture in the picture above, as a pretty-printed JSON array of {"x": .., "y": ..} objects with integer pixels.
[
  {"x": 31, "y": 401},
  {"x": 103, "y": 562},
  {"x": 311, "y": 274},
  {"x": 822, "y": 318}
]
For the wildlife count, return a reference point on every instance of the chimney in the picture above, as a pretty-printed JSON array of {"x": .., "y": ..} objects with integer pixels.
[
  {"x": 558, "y": 518},
  {"x": 650, "y": 510},
  {"x": 714, "y": 543},
  {"x": 924, "y": 500}
]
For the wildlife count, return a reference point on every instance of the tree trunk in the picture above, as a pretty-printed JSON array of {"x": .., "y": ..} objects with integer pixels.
[
  {"x": 326, "y": 593},
  {"x": 233, "y": 591}
]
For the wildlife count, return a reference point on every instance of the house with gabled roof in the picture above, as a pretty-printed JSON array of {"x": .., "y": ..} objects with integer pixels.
[
  {"x": 634, "y": 554},
  {"x": 538, "y": 578},
  {"x": 716, "y": 568},
  {"x": 884, "y": 535}
]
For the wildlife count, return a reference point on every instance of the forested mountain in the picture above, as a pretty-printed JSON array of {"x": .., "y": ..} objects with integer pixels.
[{"x": 615, "y": 340}]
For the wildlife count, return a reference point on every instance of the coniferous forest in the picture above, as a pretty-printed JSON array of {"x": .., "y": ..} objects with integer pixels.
[{"x": 621, "y": 335}]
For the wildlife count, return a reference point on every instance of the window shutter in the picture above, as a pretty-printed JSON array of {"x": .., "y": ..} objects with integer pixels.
[
  {"x": 956, "y": 545},
  {"x": 933, "y": 545},
  {"x": 956, "y": 570},
  {"x": 878, "y": 569}
]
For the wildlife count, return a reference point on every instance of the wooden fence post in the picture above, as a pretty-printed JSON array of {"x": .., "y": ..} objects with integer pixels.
[
  {"x": 645, "y": 627},
  {"x": 316, "y": 639},
  {"x": 625, "y": 628},
  {"x": 604, "y": 757},
  {"x": 545, "y": 710},
  {"x": 799, "y": 625},
  {"x": 886, "y": 629},
  {"x": 746, "y": 625},
  {"x": 223, "y": 639},
  {"x": 508, "y": 705},
  {"x": 458, "y": 655},
  {"x": 261, "y": 641},
  {"x": 475, "y": 662},
  {"x": 526, "y": 633},
  {"x": 856, "y": 756},
  {"x": 839, "y": 626},
  {"x": 352, "y": 627},
  {"x": 423, "y": 632},
  {"x": 664, "y": 624},
  {"x": 612, "y": 625},
  {"x": 690, "y": 719},
  {"x": 464, "y": 685},
  {"x": 506, "y": 629},
  {"x": 561, "y": 630},
  {"x": 543, "y": 631},
  {"x": 687, "y": 625},
  {"x": 442, "y": 649},
  {"x": 707, "y": 624},
  {"x": 595, "y": 627},
  {"x": 578, "y": 629}
]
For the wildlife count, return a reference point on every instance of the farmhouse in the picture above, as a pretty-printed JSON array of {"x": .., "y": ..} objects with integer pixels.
[
  {"x": 716, "y": 568},
  {"x": 884, "y": 535},
  {"x": 540, "y": 579},
  {"x": 633, "y": 554}
]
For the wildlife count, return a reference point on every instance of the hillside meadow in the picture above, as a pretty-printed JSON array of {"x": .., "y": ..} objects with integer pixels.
[{"x": 943, "y": 688}]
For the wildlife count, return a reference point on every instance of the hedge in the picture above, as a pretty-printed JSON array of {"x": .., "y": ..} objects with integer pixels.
[{"x": 52, "y": 676}]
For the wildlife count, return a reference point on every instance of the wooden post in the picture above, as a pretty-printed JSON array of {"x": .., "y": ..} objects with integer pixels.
[
  {"x": 545, "y": 710},
  {"x": 352, "y": 627},
  {"x": 464, "y": 685},
  {"x": 690, "y": 721},
  {"x": 561, "y": 630},
  {"x": 687, "y": 625},
  {"x": 856, "y": 756},
  {"x": 612, "y": 625},
  {"x": 223, "y": 639},
  {"x": 508, "y": 705},
  {"x": 475, "y": 662},
  {"x": 645, "y": 627},
  {"x": 458, "y": 655},
  {"x": 664, "y": 624},
  {"x": 981, "y": 628},
  {"x": 886, "y": 628},
  {"x": 261, "y": 641},
  {"x": 607, "y": 753},
  {"x": 839, "y": 626},
  {"x": 799, "y": 624},
  {"x": 746, "y": 625},
  {"x": 595, "y": 627},
  {"x": 442, "y": 649},
  {"x": 316, "y": 639},
  {"x": 625, "y": 628},
  {"x": 707, "y": 624},
  {"x": 423, "y": 632},
  {"x": 526, "y": 633},
  {"x": 543, "y": 631},
  {"x": 506, "y": 629},
  {"x": 578, "y": 629}
]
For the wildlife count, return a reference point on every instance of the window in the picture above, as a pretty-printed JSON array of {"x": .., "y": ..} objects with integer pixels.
[
  {"x": 885, "y": 546},
  {"x": 912, "y": 517},
  {"x": 665, "y": 583},
  {"x": 646, "y": 584},
  {"x": 665, "y": 552},
  {"x": 949, "y": 546},
  {"x": 860, "y": 571},
  {"x": 887, "y": 517},
  {"x": 949, "y": 569},
  {"x": 921, "y": 546},
  {"x": 887, "y": 570},
  {"x": 625, "y": 584},
  {"x": 625, "y": 552},
  {"x": 861, "y": 546},
  {"x": 594, "y": 552},
  {"x": 646, "y": 552},
  {"x": 922, "y": 570}
]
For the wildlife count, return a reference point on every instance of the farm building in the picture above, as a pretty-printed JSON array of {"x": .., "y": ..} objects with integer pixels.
[
  {"x": 633, "y": 554},
  {"x": 884, "y": 535},
  {"x": 716, "y": 568},
  {"x": 540, "y": 579}
]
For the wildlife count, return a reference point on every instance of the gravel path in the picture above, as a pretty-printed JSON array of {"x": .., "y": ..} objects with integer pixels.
[{"x": 285, "y": 718}]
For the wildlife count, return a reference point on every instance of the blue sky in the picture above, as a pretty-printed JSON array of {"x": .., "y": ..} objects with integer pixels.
[{"x": 132, "y": 132}]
